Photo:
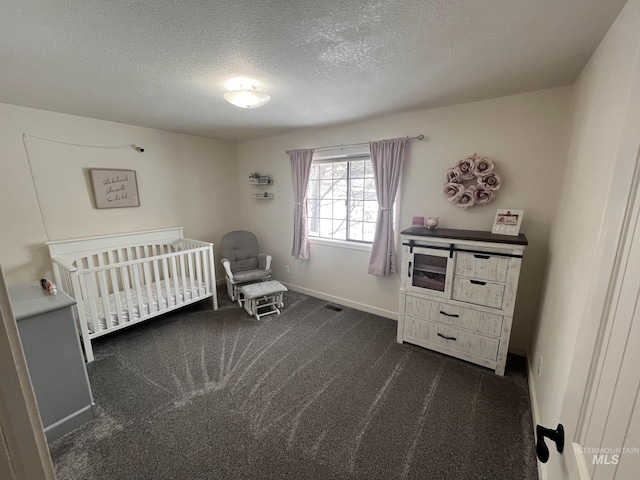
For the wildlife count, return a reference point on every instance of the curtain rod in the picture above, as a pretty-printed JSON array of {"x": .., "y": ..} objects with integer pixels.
[{"x": 419, "y": 137}]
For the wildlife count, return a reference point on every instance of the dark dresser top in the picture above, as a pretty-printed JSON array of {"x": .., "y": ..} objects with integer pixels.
[{"x": 476, "y": 235}]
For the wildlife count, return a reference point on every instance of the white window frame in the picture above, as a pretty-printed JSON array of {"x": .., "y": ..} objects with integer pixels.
[{"x": 349, "y": 244}]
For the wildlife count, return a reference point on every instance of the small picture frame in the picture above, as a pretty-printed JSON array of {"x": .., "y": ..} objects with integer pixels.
[
  {"x": 507, "y": 222},
  {"x": 114, "y": 188},
  {"x": 418, "y": 222}
]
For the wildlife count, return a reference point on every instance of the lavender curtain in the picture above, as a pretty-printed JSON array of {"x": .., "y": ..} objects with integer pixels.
[
  {"x": 300, "y": 168},
  {"x": 387, "y": 157}
]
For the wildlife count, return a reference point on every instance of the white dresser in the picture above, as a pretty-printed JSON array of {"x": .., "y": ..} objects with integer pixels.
[{"x": 458, "y": 292}]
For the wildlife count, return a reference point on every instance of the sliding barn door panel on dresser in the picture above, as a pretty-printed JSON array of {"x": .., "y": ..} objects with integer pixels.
[{"x": 458, "y": 291}]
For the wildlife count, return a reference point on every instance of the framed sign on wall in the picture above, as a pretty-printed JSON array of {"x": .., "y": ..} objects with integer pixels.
[
  {"x": 114, "y": 188},
  {"x": 507, "y": 222}
]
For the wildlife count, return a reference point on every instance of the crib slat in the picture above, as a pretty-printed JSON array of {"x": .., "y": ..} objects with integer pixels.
[
  {"x": 101, "y": 278},
  {"x": 148, "y": 282},
  {"x": 167, "y": 282},
  {"x": 183, "y": 271},
  {"x": 101, "y": 284},
  {"x": 175, "y": 275},
  {"x": 90, "y": 280},
  {"x": 205, "y": 264},
  {"x": 115, "y": 288},
  {"x": 76, "y": 279},
  {"x": 138, "y": 289},
  {"x": 191, "y": 275},
  {"x": 199, "y": 278},
  {"x": 91, "y": 297},
  {"x": 156, "y": 276},
  {"x": 126, "y": 285}
]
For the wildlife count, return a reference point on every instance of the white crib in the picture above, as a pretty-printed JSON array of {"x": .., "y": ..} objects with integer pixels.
[{"x": 120, "y": 280}]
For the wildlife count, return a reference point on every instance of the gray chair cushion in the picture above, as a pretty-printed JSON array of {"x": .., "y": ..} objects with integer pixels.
[
  {"x": 250, "y": 275},
  {"x": 241, "y": 249}
]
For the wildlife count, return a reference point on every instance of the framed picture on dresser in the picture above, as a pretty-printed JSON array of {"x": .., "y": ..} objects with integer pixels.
[{"x": 507, "y": 222}]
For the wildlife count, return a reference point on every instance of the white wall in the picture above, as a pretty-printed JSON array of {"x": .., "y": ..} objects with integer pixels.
[
  {"x": 526, "y": 136},
  {"x": 602, "y": 154},
  {"x": 183, "y": 181},
  {"x": 597, "y": 117}
]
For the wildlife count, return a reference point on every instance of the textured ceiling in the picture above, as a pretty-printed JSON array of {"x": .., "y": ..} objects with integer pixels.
[{"x": 163, "y": 64}]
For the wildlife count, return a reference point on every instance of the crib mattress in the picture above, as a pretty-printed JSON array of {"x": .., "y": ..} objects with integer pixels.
[{"x": 147, "y": 306}]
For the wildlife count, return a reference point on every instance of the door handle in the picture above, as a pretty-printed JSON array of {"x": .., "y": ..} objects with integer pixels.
[
  {"x": 483, "y": 257},
  {"x": 557, "y": 436},
  {"x": 409, "y": 270}
]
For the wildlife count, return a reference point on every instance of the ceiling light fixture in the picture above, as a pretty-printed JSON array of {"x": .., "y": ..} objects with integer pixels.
[{"x": 246, "y": 96}]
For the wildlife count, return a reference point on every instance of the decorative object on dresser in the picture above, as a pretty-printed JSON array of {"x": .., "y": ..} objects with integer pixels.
[
  {"x": 474, "y": 167},
  {"x": 120, "y": 280},
  {"x": 418, "y": 222},
  {"x": 432, "y": 222},
  {"x": 507, "y": 222},
  {"x": 458, "y": 292}
]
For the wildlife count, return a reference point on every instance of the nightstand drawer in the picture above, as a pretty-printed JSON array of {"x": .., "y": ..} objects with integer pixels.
[
  {"x": 478, "y": 292},
  {"x": 481, "y": 266}
]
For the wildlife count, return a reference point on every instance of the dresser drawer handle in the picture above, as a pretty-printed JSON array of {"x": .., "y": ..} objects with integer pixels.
[
  {"x": 446, "y": 338},
  {"x": 478, "y": 282},
  {"x": 483, "y": 257},
  {"x": 449, "y": 314}
]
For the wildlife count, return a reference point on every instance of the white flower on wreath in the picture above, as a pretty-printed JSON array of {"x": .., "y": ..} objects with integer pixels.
[
  {"x": 467, "y": 199},
  {"x": 451, "y": 176},
  {"x": 483, "y": 196},
  {"x": 490, "y": 181},
  {"x": 453, "y": 191},
  {"x": 464, "y": 168},
  {"x": 482, "y": 166}
]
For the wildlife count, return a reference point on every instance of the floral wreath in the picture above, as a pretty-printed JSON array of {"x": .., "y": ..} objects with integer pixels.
[{"x": 475, "y": 166}]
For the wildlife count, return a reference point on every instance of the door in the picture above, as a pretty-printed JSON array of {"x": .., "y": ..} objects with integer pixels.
[
  {"x": 429, "y": 271},
  {"x": 608, "y": 438}
]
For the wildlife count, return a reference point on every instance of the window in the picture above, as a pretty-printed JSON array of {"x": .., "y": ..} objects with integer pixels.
[{"x": 341, "y": 200}]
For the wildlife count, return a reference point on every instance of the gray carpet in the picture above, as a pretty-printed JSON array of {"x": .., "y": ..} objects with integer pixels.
[{"x": 310, "y": 394}]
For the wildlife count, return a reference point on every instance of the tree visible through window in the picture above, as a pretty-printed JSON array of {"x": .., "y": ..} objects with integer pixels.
[{"x": 341, "y": 200}]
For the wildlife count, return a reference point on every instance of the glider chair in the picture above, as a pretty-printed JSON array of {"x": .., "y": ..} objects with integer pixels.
[{"x": 243, "y": 264}]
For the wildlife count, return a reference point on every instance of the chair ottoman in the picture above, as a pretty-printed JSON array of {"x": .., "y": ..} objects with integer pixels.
[{"x": 261, "y": 295}]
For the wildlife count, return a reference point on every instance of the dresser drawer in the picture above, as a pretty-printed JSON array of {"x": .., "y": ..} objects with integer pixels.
[
  {"x": 461, "y": 317},
  {"x": 470, "y": 319},
  {"x": 481, "y": 266},
  {"x": 453, "y": 338},
  {"x": 478, "y": 292}
]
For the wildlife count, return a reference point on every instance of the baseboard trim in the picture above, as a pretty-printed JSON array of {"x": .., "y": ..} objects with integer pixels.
[
  {"x": 542, "y": 470},
  {"x": 343, "y": 301}
]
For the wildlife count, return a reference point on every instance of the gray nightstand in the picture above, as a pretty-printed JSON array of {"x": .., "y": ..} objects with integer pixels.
[{"x": 54, "y": 357}]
